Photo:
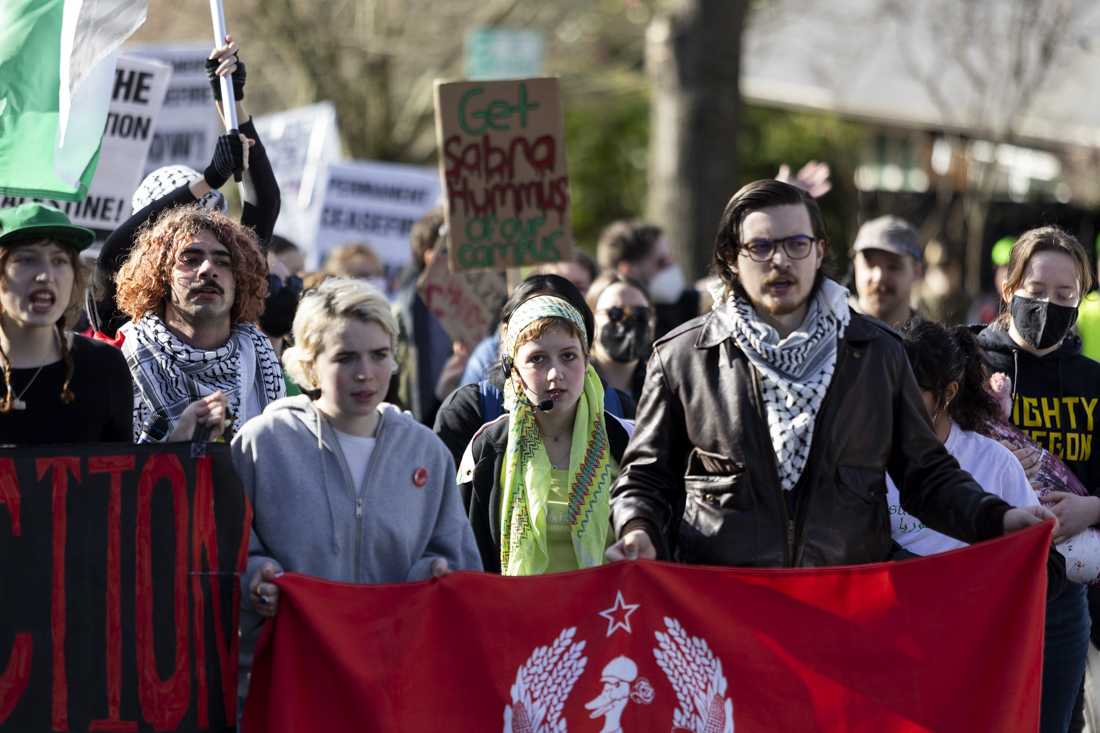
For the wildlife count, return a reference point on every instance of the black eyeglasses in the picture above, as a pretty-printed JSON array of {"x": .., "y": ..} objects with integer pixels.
[
  {"x": 637, "y": 313},
  {"x": 797, "y": 247}
]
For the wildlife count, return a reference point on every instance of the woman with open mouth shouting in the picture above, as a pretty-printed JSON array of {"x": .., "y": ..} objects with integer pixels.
[
  {"x": 57, "y": 387},
  {"x": 536, "y": 480}
]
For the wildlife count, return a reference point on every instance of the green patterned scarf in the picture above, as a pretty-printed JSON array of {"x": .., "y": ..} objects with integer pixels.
[{"x": 525, "y": 474}]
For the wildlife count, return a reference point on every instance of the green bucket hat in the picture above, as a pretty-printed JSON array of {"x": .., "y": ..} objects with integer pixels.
[{"x": 33, "y": 221}]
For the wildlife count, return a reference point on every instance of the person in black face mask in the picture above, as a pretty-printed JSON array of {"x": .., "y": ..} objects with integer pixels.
[
  {"x": 1056, "y": 402},
  {"x": 625, "y": 322}
]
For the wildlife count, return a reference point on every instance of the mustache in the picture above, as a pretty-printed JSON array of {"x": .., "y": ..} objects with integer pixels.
[{"x": 206, "y": 286}]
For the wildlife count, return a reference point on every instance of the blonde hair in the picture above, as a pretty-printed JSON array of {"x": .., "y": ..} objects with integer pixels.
[
  {"x": 320, "y": 310},
  {"x": 340, "y": 260},
  {"x": 67, "y": 321}
]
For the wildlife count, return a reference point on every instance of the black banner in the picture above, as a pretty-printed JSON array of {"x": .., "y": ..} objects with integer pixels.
[{"x": 119, "y": 587}]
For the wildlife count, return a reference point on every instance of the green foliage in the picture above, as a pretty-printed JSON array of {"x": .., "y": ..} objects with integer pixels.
[
  {"x": 607, "y": 141},
  {"x": 606, "y": 144}
]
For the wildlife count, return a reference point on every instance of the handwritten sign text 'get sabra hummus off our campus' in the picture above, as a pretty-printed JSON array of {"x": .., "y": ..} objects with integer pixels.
[{"x": 502, "y": 162}]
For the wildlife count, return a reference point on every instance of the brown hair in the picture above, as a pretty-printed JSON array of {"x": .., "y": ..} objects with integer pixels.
[
  {"x": 1043, "y": 239},
  {"x": 541, "y": 327},
  {"x": 606, "y": 280},
  {"x": 144, "y": 279},
  {"x": 625, "y": 241},
  {"x": 763, "y": 194},
  {"x": 67, "y": 321},
  {"x": 425, "y": 233}
]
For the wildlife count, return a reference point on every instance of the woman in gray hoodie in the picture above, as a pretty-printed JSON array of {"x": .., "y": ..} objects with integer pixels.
[{"x": 343, "y": 486}]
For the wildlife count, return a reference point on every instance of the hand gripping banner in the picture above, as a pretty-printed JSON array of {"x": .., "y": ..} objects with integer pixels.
[
  {"x": 947, "y": 643},
  {"x": 119, "y": 587}
]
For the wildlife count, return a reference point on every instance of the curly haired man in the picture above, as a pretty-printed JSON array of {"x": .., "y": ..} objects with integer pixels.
[{"x": 194, "y": 286}]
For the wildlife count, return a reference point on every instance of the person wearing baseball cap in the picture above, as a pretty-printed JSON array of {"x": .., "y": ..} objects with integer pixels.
[
  {"x": 889, "y": 262},
  {"x": 56, "y": 387}
]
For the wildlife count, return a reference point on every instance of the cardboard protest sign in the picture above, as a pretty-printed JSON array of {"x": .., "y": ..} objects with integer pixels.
[
  {"x": 466, "y": 303},
  {"x": 185, "y": 133},
  {"x": 376, "y": 203},
  {"x": 300, "y": 143},
  {"x": 502, "y": 162},
  {"x": 136, "y": 103},
  {"x": 119, "y": 573}
]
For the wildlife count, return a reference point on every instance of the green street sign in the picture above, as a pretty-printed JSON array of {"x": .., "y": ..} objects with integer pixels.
[{"x": 503, "y": 53}]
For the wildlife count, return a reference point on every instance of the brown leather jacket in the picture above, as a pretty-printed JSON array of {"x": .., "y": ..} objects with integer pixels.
[{"x": 700, "y": 472}]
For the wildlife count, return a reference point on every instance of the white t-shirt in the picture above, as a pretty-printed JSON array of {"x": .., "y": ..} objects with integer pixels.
[
  {"x": 356, "y": 450},
  {"x": 992, "y": 465}
]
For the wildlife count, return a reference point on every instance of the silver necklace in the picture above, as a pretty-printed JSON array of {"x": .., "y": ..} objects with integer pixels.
[{"x": 18, "y": 403}]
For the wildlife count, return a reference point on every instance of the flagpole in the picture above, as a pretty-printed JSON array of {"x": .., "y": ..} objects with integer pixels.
[{"x": 229, "y": 100}]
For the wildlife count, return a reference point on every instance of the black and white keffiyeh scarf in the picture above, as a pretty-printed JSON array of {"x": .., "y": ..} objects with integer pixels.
[
  {"x": 169, "y": 374},
  {"x": 795, "y": 371}
]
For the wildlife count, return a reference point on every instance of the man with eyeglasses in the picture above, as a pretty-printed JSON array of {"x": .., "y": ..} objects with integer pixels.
[
  {"x": 889, "y": 262},
  {"x": 766, "y": 428}
]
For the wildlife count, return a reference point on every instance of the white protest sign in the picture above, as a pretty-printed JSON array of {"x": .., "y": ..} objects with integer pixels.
[
  {"x": 136, "y": 102},
  {"x": 376, "y": 203},
  {"x": 186, "y": 131},
  {"x": 300, "y": 143}
]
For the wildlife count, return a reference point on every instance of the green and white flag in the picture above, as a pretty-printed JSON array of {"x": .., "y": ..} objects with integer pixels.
[{"x": 40, "y": 156}]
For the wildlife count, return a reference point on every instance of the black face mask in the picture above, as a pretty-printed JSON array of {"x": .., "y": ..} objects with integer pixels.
[
  {"x": 626, "y": 340},
  {"x": 1041, "y": 323}
]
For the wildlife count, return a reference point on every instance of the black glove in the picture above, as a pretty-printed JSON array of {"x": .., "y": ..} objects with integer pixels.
[
  {"x": 215, "y": 80},
  {"x": 228, "y": 159}
]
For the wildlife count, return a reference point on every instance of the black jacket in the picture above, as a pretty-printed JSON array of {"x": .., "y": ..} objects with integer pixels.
[
  {"x": 700, "y": 473},
  {"x": 1055, "y": 399},
  {"x": 479, "y": 481}
]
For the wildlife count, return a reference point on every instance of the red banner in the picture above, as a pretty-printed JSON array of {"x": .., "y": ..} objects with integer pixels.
[{"x": 948, "y": 643}]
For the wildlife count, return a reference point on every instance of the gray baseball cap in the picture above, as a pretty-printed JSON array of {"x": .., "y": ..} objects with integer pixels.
[{"x": 890, "y": 234}]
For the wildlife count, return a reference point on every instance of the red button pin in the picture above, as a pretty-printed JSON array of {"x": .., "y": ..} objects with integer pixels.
[{"x": 420, "y": 477}]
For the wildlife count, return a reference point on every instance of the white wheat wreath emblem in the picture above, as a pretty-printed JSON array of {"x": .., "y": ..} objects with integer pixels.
[
  {"x": 542, "y": 685},
  {"x": 696, "y": 676}
]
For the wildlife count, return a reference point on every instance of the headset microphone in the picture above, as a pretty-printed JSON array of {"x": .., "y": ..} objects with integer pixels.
[{"x": 509, "y": 366}]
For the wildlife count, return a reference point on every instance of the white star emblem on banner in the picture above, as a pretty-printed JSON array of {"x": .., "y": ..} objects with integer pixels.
[{"x": 618, "y": 616}]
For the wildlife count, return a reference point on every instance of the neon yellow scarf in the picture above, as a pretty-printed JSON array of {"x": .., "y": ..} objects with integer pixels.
[{"x": 525, "y": 480}]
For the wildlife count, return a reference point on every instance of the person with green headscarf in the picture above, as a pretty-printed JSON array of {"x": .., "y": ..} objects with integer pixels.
[{"x": 536, "y": 481}]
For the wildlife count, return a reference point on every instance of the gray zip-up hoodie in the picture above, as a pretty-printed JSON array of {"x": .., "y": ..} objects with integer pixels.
[{"x": 309, "y": 518}]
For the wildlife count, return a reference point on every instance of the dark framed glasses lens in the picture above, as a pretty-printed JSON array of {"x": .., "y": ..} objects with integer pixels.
[
  {"x": 760, "y": 250},
  {"x": 797, "y": 247}
]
